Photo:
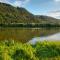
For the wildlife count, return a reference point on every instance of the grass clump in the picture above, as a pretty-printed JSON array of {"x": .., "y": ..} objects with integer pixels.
[{"x": 13, "y": 50}]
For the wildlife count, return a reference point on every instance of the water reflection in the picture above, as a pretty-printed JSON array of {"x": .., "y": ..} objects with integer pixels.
[
  {"x": 26, "y": 34},
  {"x": 54, "y": 37}
]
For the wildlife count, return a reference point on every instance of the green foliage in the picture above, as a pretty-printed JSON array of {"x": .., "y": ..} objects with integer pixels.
[
  {"x": 13, "y": 50},
  {"x": 46, "y": 50}
]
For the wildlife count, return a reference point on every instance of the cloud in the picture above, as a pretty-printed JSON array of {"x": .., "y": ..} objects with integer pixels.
[
  {"x": 55, "y": 14},
  {"x": 20, "y": 2},
  {"x": 57, "y": 0},
  {"x": 16, "y": 2},
  {"x": 5, "y": 1}
]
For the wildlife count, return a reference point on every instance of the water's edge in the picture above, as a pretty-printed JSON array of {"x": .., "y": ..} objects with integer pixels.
[{"x": 54, "y": 37}]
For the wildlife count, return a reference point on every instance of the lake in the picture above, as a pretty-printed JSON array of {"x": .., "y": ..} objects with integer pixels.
[
  {"x": 53, "y": 37},
  {"x": 27, "y": 34}
]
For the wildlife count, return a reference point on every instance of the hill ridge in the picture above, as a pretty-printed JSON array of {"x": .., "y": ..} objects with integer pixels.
[{"x": 10, "y": 14}]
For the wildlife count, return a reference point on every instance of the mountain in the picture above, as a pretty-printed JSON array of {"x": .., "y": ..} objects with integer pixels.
[
  {"x": 10, "y": 14},
  {"x": 48, "y": 19}
]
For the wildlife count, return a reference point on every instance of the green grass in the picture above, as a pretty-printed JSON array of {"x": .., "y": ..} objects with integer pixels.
[{"x": 14, "y": 50}]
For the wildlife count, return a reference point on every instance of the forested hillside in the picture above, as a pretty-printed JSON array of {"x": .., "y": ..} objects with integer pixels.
[
  {"x": 10, "y": 14},
  {"x": 15, "y": 16}
]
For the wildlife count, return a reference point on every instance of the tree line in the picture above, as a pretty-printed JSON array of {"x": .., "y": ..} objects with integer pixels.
[{"x": 29, "y": 25}]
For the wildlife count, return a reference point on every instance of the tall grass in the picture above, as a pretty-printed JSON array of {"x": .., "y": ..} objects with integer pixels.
[{"x": 13, "y": 50}]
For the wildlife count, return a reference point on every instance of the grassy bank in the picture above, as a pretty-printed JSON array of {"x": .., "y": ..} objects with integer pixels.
[{"x": 13, "y": 50}]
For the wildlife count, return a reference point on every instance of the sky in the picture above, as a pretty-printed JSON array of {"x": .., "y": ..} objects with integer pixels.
[{"x": 38, "y": 7}]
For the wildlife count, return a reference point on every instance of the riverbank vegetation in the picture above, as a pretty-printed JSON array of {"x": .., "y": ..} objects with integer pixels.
[
  {"x": 13, "y": 50},
  {"x": 30, "y": 25}
]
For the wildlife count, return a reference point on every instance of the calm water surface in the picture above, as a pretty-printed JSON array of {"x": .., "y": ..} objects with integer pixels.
[
  {"x": 25, "y": 34},
  {"x": 53, "y": 37}
]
